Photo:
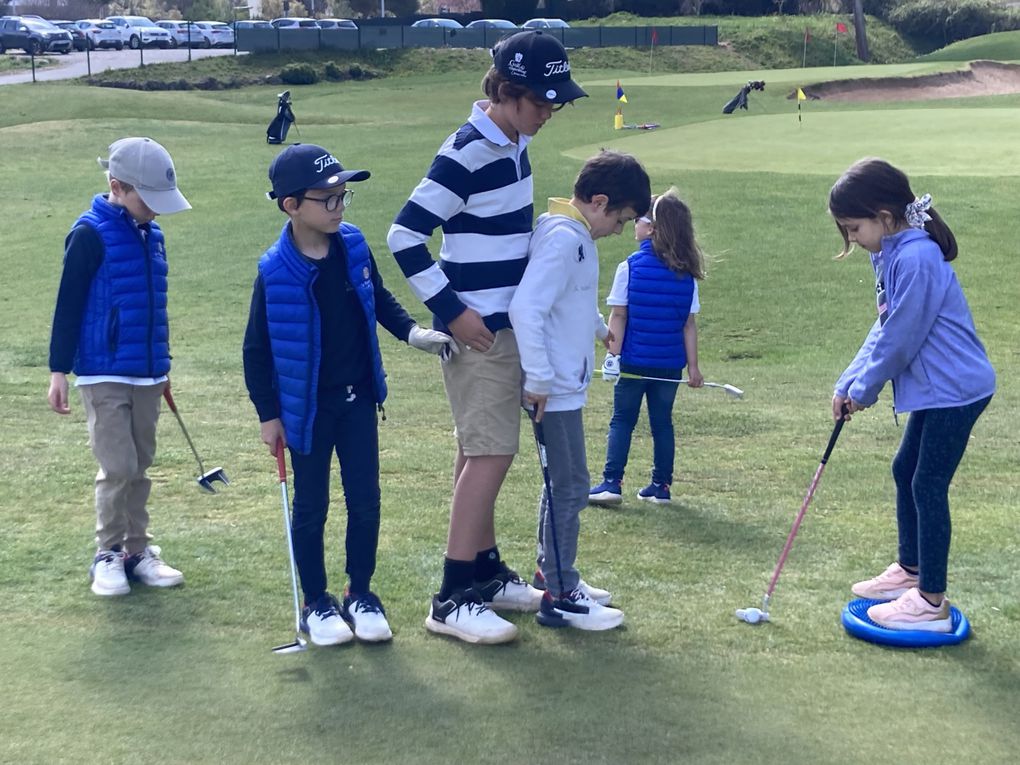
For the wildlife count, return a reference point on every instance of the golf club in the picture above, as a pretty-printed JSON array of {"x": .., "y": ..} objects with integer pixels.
[
  {"x": 756, "y": 615},
  {"x": 299, "y": 643},
  {"x": 732, "y": 390},
  {"x": 207, "y": 477},
  {"x": 543, "y": 460}
]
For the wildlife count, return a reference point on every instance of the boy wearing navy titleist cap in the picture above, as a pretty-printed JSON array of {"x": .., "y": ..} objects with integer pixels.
[
  {"x": 110, "y": 327},
  {"x": 314, "y": 373},
  {"x": 479, "y": 190}
]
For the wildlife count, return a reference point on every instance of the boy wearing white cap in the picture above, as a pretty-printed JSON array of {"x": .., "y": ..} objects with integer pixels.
[{"x": 110, "y": 328}]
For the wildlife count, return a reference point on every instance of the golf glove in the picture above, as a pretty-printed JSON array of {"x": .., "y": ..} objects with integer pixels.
[
  {"x": 611, "y": 368},
  {"x": 430, "y": 341}
]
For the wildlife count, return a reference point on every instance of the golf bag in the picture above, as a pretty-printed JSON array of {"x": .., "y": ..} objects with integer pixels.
[
  {"x": 277, "y": 130},
  {"x": 739, "y": 101}
]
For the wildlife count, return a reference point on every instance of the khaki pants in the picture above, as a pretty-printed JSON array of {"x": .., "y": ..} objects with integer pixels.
[{"x": 122, "y": 433}]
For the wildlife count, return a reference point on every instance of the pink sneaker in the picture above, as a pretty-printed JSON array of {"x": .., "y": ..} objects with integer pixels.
[
  {"x": 910, "y": 611},
  {"x": 888, "y": 585}
]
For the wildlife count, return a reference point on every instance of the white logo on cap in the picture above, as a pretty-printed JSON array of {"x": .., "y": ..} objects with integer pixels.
[
  {"x": 550, "y": 94},
  {"x": 557, "y": 67},
  {"x": 516, "y": 68},
  {"x": 321, "y": 163}
]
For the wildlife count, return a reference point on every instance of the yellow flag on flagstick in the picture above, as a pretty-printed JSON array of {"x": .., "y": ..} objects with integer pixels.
[{"x": 800, "y": 95}]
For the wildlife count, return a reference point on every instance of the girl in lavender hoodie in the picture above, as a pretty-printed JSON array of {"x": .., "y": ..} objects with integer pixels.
[{"x": 925, "y": 343}]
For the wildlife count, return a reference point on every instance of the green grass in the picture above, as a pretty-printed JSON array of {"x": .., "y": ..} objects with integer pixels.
[
  {"x": 186, "y": 676},
  {"x": 999, "y": 46}
]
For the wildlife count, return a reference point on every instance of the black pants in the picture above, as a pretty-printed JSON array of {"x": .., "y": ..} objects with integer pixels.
[
  {"x": 933, "y": 445},
  {"x": 350, "y": 429}
]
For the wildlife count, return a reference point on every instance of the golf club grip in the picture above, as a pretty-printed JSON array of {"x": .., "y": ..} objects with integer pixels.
[
  {"x": 281, "y": 461},
  {"x": 169, "y": 398},
  {"x": 835, "y": 434}
]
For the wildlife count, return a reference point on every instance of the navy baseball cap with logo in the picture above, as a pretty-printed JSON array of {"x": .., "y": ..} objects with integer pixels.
[
  {"x": 304, "y": 166},
  {"x": 539, "y": 62}
]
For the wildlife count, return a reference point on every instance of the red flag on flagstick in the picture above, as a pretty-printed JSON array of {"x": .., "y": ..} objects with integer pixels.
[
  {"x": 807, "y": 35},
  {"x": 655, "y": 36},
  {"x": 841, "y": 28}
]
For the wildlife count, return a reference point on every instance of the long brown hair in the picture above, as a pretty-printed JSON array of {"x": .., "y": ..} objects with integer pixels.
[
  {"x": 872, "y": 186},
  {"x": 673, "y": 235}
]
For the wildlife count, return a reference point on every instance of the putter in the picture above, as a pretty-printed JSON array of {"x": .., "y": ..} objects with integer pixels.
[
  {"x": 756, "y": 615},
  {"x": 299, "y": 644},
  {"x": 543, "y": 460},
  {"x": 732, "y": 390},
  {"x": 207, "y": 477}
]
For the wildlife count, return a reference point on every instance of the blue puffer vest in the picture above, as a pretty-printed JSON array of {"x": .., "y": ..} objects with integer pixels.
[
  {"x": 658, "y": 304},
  {"x": 295, "y": 328},
  {"x": 125, "y": 330}
]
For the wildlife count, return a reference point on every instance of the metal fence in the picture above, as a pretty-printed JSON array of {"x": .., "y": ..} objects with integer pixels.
[{"x": 374, "y": 37}]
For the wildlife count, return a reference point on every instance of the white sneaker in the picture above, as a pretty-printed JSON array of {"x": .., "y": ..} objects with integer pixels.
[
  {"x": 322, "y": 622},
  {"x": 600, "y": 596},
  {"x": 465, "y": 616},
  {"x": 368, "y": 618},
  {"x": 107, "y": 573},
  {"x": 508, "y": 592},
  {"x": 148, "y": 568},
  {"x": 579, "y": 611}
]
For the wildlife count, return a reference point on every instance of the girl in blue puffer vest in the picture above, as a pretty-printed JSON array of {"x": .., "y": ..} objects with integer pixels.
[{"x": 654, "y": 301}]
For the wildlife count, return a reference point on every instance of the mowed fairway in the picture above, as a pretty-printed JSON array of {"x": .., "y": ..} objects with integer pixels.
[{"x": 186, "y": 676}]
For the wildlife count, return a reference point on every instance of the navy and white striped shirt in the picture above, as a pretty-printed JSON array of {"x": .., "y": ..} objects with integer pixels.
[{"x": 479, "y": 190}]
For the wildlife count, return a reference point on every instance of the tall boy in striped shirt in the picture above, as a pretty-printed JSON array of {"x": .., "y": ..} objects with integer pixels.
[{"x": 479, "y": 190}]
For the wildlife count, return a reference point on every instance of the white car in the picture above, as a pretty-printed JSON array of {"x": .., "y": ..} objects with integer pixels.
[
  {"x": 294, "y": 23},
  {"x": 220, "y": 34},
  {"x": 434, "y": 23},
  {"x": 137, "y": 31},
  {"x": 100, "y": 34},
  {"x": 185, "y": 33},
  {"x": 545, "y": 24},
  {"x": 336, "y": 24}
]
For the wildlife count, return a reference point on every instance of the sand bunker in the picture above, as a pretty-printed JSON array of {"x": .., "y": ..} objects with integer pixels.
[{"x": 982, "y": 78}]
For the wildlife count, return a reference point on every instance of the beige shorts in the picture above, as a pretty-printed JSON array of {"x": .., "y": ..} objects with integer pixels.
[{"x": 484, "y": 390}]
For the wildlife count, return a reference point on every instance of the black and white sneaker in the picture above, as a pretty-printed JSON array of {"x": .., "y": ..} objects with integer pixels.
[
  {"x": 508, "y": 592},
  {"x": 367, "y": 617},
  {"x": 579, "y": 611},
  {"x": 600, "y": 596},
  {"x": 322, "y": 622},
  {"x": 465, "y": 616}
]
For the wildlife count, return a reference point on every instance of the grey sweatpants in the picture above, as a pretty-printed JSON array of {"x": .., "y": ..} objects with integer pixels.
[{"x": 558, "y": 521}]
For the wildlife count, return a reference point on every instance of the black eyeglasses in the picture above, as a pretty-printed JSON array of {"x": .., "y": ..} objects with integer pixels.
[{"x": 333, "y": 200}]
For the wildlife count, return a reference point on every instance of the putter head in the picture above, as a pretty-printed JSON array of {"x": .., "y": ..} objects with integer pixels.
[
  {"x": 297, "y": 646},
  {"x": 733, "y": 390},
  {"x": 216, "y": 474}
]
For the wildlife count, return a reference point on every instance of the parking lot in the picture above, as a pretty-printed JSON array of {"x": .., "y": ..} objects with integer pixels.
[{"x": 75, "y": 63}]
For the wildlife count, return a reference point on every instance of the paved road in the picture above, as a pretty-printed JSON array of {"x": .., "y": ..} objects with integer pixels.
[{"x": 76, "y": 65}]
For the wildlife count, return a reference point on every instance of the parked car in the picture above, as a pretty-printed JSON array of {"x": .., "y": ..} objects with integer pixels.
[
  {"x": 336, "y": 24},
  {"x": 33, "y": 36},
  {"x": 184, "y": 33},
  {"x": 251, "y": 24},
  {"x": 100, "y": 34},
  {"x": 492, "y": 24},
  {"x": 545, "y": 24},
  {"x": 220, "y": 35},
  {"x": 139, "y": 30},
  {"x": 78, "y": 38},
  {"x": 294, "y": 23},
  {"x": 433, "y": 23}
]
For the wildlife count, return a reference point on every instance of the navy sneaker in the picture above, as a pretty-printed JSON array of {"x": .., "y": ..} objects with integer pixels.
[
  {"x": 465, "y": 616},
  {"x": 322, "y": 622},
  {"x": 606, "y": 494},
  {"x": 366, "y": 616},
  {"x": 508, "y": 592},
  {"x": 600, "y": 596},
  {"x": 655, "y": 492},
  {"x": 577, "y": 610}
]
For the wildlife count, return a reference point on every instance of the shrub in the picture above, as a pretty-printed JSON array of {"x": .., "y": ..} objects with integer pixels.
[
  {"x": 334, "y": 71},
  {"x": 940, "y": 22},
  {"x": 299, "y": 74}
]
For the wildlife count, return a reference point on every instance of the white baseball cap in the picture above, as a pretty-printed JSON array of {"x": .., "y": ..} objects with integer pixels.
[{"x": 147, "y": 166}]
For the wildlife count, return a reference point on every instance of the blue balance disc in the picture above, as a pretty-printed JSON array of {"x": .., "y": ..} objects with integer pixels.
[{"x": 857, "y": 623}]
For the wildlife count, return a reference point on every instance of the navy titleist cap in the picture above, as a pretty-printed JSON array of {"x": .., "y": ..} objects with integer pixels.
[
  {"x": 303, "y": 166},
  {"x": 539, "y": 62}
]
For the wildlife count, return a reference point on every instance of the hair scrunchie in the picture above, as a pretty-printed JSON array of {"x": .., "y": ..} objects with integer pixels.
[{"x": 916, "y": 212}]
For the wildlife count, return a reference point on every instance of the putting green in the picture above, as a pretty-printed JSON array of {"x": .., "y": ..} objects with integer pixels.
[{"x": 926, "y": 141}]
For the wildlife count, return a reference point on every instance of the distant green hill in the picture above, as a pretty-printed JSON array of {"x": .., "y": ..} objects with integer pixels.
[{"x": 999, "y": 46}]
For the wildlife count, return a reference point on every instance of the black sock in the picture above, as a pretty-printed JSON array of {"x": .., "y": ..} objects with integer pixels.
[
  {"x": 929, "y": 600},
  {"x": 487, "y": 564},
  {"x": 457, "y": 575},
  {"x": 912, "y": 570}
]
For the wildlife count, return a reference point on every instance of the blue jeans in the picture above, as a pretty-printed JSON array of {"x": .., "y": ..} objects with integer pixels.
[
  {"x": 627, "y": 397},
  {"x": 931, "y": 449},
  {"x": 349, "y": 429}
]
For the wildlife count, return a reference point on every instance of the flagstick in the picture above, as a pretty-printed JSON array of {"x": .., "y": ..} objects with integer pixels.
[
  {"x": 651, "y": 51},
  {"x": 803, "y": 62},
  {"x": 835, "y": 41}
]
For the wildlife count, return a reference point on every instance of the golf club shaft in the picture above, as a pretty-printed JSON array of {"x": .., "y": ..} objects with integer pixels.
[
  {"x": 682, "y": 380},
  {"x": 173, "y": 408},
  {"x": 281, "y": 464},
  {"x": 550, "y": 516},
  {"x": 803, "y": 509}
]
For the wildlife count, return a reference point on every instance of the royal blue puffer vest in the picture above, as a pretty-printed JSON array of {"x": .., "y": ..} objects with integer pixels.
[
  {"x": 125, "y": 330},
  {"x": 295, "y": 327},
  {"x": 658, "y": 304}
]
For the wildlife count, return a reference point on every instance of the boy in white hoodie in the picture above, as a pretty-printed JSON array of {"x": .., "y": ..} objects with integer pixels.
[{"x": 556, "y": 318}]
